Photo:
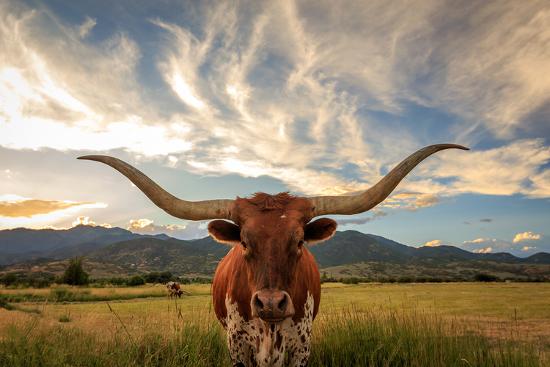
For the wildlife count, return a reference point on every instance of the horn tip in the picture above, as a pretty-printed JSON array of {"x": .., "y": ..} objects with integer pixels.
[
  {"x": 450, "y": 146},
  {"x": 92, "y": 157}
]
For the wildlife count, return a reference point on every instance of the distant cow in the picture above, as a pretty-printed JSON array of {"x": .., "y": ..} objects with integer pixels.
[{"x": 174, "y": 289}]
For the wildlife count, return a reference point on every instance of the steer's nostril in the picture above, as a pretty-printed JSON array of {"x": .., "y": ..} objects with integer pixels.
[
  {"x": 259, "y": 305},
  {"x": 283, "y": 303}
]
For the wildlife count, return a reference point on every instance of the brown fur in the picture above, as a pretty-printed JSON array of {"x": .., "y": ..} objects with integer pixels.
[{"x": 270, "y": 202}]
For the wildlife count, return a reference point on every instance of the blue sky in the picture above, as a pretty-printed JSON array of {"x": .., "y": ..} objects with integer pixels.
[{"x": 215, "y": 100}]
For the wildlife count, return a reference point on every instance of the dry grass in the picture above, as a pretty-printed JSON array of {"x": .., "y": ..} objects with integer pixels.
[{"x": 502, "y": 316}]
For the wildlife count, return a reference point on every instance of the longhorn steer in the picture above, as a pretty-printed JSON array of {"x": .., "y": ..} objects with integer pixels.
[{"x": 266, "y": 291}]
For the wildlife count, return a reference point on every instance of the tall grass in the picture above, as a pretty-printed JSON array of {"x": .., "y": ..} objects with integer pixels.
[
  {"x": 346, "y": 338},
  {"x": 75, "y": 294},
  {"x": 61, "y": 346},
  {"x": 397, "y": 338}
]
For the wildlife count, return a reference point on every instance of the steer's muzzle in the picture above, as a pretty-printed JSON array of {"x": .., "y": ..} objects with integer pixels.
[{"x": 272, "y": 305}]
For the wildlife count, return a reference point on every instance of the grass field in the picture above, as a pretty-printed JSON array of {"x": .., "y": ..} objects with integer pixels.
[{"x": 449, "y": 324}]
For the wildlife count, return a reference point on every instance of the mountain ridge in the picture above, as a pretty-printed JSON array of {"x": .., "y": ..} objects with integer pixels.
[{"x": 130, "y": 253}]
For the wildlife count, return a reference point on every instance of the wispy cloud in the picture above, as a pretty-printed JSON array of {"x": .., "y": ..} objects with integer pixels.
[
  {"x": 512, "y": 169},
  {"x": 361, "y": 220},
  {"x": 411, "y": 200},
  {"x": 87, "y": 99},
  {"x": 293, "y": 91},
  {"x": 85, "y": 28}
]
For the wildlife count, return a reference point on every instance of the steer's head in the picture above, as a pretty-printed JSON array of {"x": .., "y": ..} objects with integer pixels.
[{"x": 270, "y": 231}]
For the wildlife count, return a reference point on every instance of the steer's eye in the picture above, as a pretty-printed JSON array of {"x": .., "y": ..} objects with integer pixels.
[
  {"x": 300, "y": 243},
  {"x": 243, "y": 244}
]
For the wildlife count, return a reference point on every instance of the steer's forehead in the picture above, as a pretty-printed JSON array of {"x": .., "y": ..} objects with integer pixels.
[{"x": 272, "y": 210}]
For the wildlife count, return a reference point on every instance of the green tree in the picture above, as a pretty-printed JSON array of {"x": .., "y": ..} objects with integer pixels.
[
  {"x": 75, "y": 274},
  {"x": 136, "y": 280}
]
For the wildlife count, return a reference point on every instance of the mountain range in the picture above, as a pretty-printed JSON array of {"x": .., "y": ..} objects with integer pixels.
[{"x": 116, "y": 251}]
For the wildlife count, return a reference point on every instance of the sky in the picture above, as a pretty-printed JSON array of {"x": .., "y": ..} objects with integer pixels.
[{"x": 224, "y": 99}]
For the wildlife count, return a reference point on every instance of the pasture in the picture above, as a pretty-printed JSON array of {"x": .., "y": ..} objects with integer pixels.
[{"x": 448, "y": 324}]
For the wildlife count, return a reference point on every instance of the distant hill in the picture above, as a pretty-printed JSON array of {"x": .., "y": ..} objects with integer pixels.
[
  {"x": 23, "y": 244},
  {"x": 154, "y": 254},
  {"x": 348, "y": 253}
]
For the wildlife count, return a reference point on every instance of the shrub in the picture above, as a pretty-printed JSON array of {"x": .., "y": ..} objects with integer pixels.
[
  {"x": 64, "y": 318},
  {"x": 75, "y": 274},
  {"x": 6, "y": 305},
  {"x": 135, "y": 280},
  {"x": 8, "y": 279},
  {"x": 482, "y": 277},
  {"x": 352, "y": 280},
  {"x": 156, "y": 277}
]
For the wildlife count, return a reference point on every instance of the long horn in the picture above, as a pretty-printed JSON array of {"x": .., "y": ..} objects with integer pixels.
[
  {"x": 354, "y": 204},
  {"x": 191, "y": 210}
]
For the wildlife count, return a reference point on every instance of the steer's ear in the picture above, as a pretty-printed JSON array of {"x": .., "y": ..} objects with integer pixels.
[
  {"x": 224, "y": 232},
  {"x": 320, "y": 230}
]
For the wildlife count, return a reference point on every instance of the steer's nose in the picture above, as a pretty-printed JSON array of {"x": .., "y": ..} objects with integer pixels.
[{"x": 272, "y": 305}]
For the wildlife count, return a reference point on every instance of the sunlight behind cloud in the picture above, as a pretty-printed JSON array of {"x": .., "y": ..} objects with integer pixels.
[
  {"x": 86, "y": 221},
  {"x": 189, "y": 230},
  {"x": 16, "y": 211},
  {"x": 183, "y": 90},
  {"x": 434, "y": 243}
]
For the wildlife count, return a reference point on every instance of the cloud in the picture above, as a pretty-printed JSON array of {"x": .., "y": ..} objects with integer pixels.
[
  {"x": 357, "y": 221},
  {"x": 86, "y": 27},
  {"x": 526, "y": 236},
  {"x": 140, "y": 224},
  {"x": 486, "y": 220},
  {"x": 479, "y": 240},
  {"x": 484, "y": 250},
  {"x": 485, "y": 245},
  {"x": 89, "y": 83},
  {"x": 238, "y": 95},
  {"x": 190, "y": 230},
  {"x": 482, "y": 245},
  {"x": 505, "y": 170},
  {"x": 30, "y": 207},
  {"x": 16, "y": 211},
  {"x": 88, "y": 99},
  {"x": 14, "y": 206},
  {"x": 410, "y": 200},
  {"x": 86, "y": 221},
  {"x": 434, "y": 243}
]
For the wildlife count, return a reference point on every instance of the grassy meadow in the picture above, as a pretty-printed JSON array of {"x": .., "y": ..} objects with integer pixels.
[{"x": 448, "y": 324}]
